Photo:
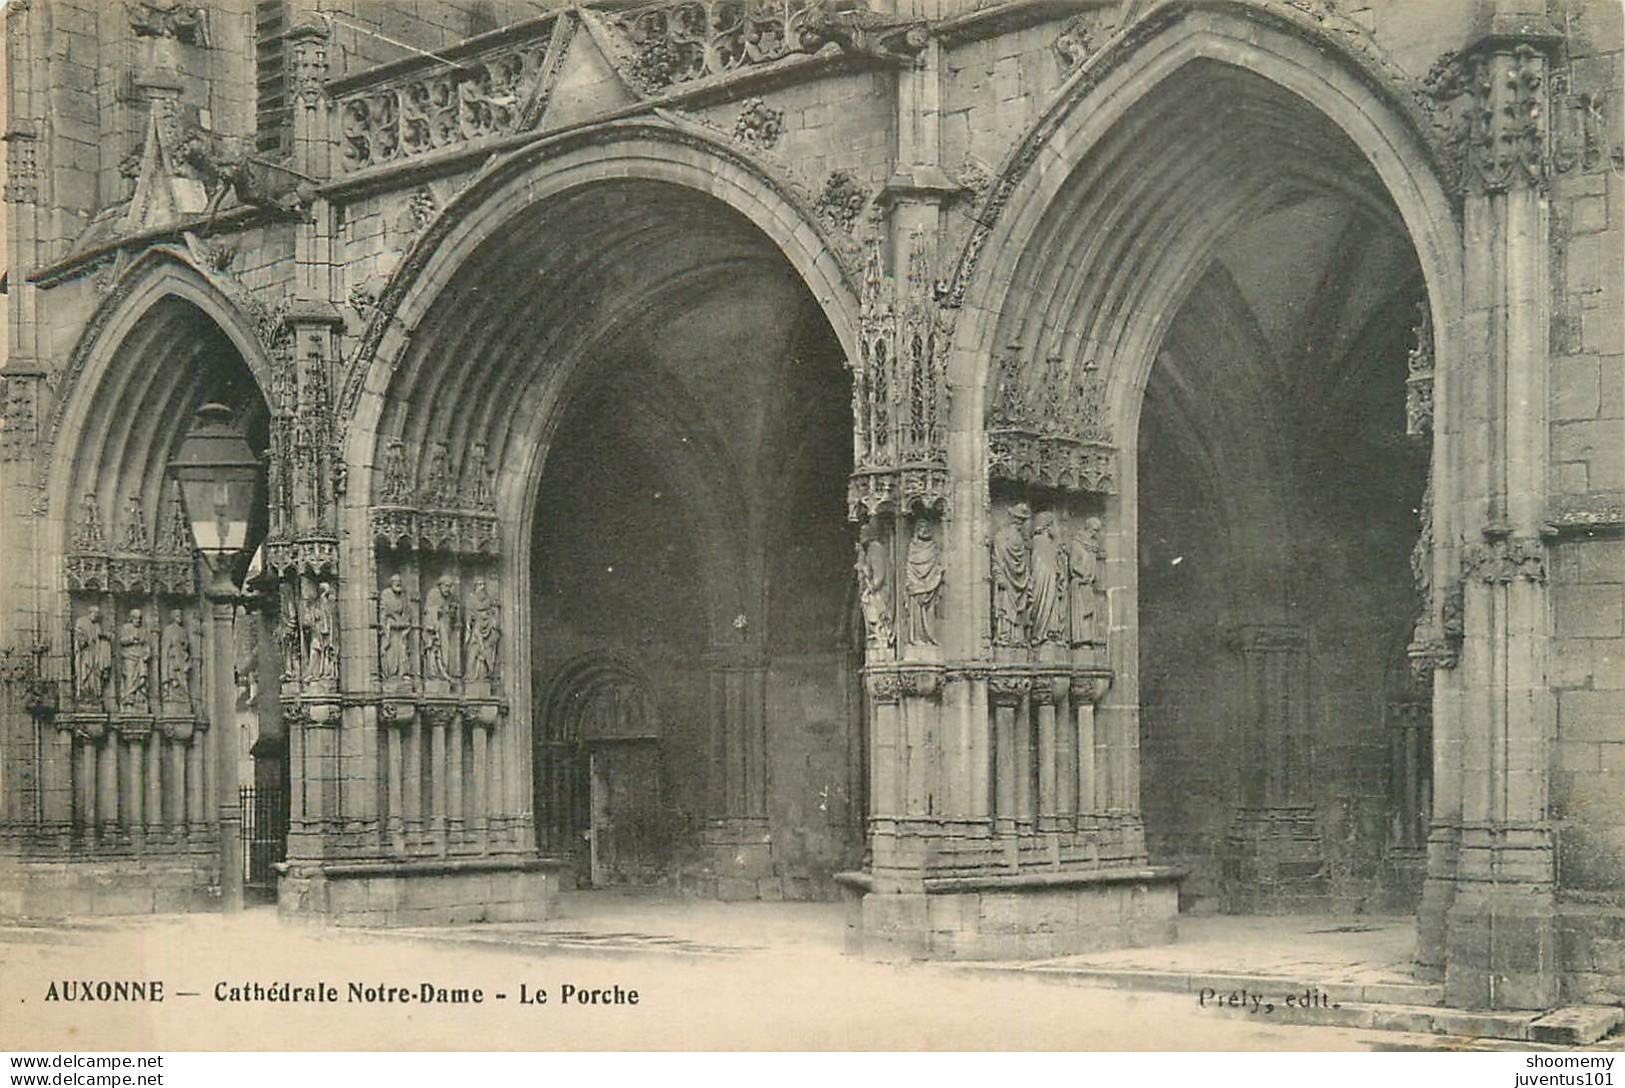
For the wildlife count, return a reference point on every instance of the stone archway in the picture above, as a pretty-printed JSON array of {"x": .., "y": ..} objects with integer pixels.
[
  {"x": 574, "y": 294},
  {"x": 129, "y": 765}
]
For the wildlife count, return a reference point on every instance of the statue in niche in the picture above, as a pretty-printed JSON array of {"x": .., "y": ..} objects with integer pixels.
[
  {"x": 135, "y": 662},
  {"x": 175, "y": 656},
  {"x": 922, "y": 582},
  {"x": 483, "y": 631},
  {"x": 874, "y": 587},
  {"x": 1083, "y": 570},
  {"x": 437, "y": 488},
  {"x": 321, "y": 635},
  {"x": 1049, "y": 580},
  {"x": 288, "y": 634},
  {"x": 135, "y": 528},
  {"x": 479, "y": 491},
  {"x": 395, "y": 483},
  {"x": 246, "y": 666},
  {"x": 1012, "y": 579},
  {"x": 87, "y": 535},
  {"x": 92, "y": 658},
  {"x": 440, "y": 630},
  {"x": 394, "y": 631}
]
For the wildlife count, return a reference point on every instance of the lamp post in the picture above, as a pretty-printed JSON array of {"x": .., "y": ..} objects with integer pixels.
[{"x": 218, "y": 476}]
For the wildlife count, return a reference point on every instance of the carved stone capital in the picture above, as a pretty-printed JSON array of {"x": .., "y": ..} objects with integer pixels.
[
  {"x": 885, "y": 687},
  {"x": 1505, "y": 559},
  {"x": 1490, "y": 105},
  {"x": 1090, "y": 688},
  {"x": 177, "y": 730},
  {"x": 1007, "y": 689}
]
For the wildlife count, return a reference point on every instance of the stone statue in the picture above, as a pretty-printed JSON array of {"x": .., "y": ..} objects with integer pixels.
[
  {"x": 87, "y": 535},
  {"x": 135, "y": 662},
  {"x": 175, "y": 679},
  {"x": 484, "y": 633},
  {"x": 92, "y": 658},
  {"x": 922, "y": 582},
  {"x": 1012, "y": 579},
  {"x": 394, "y": 631},
  {"x": 288, "y": 633},
  {"x": 1049, "y": 618},
  {"x": 135, "y": 528},
  {"x": 440, "y": 631},
  {"x": 874, "y": 587},
  {"x": 1083, "y": 569},
  {"x": 321, "y": 635}
]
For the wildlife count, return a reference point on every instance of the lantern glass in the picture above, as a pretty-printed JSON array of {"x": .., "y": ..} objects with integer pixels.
[{"x": 219, "y": 479}]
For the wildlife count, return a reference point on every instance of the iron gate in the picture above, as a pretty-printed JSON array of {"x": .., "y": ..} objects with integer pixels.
[{"x": 265, "y": 835}]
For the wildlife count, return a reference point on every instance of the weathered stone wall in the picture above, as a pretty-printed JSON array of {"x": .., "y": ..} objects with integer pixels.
[{"x": 1587, "y": 499}]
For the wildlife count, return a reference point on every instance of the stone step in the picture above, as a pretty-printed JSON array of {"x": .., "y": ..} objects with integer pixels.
[
  {"x": 1274, "y": 987},
  {"x": 1577, "y": 1025},
  {"x": 1415, "y": 1008}
]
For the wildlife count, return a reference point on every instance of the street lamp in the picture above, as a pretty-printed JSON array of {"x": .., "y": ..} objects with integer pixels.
[{"x": 219, "y": 478}]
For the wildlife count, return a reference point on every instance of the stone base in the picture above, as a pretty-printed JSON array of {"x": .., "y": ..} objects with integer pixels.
[
  {"x": 1591, "y": 953},
  {"x": 45, "y": 889},
  {"x": 1274, "y": 863},
  {"x": 736, "y": 863},
  {"x": 419, "y": 893},
  {"x": 1012, "y": 918},
  {"x": 1501, "y": 950}
]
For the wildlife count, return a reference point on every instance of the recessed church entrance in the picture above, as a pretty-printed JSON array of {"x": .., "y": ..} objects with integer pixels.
[
  {"x": 690, "y": 567},
  {"x": 1281, "y": 489}
]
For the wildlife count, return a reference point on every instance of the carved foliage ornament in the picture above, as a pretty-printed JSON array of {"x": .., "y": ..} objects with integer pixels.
[
  {"x": 1504, "y": 560},
  {"x": 1490, "y": 106},
  {"x": 1419, "y": 375}
]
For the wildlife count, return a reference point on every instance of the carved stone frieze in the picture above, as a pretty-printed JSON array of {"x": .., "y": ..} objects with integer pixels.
[
  {"x": 19, "y": 411},
  {"x": 1585, "y": 127},
  {"x": 482, "y": 96},
  {"x": 900, "y": 392},
  {"x": 175, "y": 19},
  {"x": 313, "y": 555},
  {"x": 22, "y": 167},
  {"x": 1419, "y": 375},
  {"x": 661, "y": 46},
  {"x": 1048, "y": 427},
  {"x": 1505, "y": 559}
]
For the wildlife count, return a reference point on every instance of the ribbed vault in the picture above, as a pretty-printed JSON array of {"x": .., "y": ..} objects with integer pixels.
[
  {"x": 173, "y": 358},
  {"x": 558, "y": 288}
]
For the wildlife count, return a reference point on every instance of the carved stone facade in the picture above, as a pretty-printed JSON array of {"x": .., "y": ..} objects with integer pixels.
[{"x": 1176, "y": 435}]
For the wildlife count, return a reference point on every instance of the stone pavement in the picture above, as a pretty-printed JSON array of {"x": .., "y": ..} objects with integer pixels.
[{"x": 739, "y": 976}]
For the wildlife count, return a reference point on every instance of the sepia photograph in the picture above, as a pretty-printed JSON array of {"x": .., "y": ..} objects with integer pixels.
[{"x": 834, "y": 526}]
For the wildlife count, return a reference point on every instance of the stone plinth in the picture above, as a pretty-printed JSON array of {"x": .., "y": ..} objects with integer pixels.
[
  {"x": 419, "y": 893},
  {"x": 1275, "y": 863},
  {"x": 1015, "y": 917},
  {"x": 126, "y": 886}
]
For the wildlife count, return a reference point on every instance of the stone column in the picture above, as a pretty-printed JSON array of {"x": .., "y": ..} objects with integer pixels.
[{"x": 1492, "y": 878}]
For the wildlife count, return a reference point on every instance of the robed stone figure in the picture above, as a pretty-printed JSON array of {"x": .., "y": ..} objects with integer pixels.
[
  {"x": 1012, "y": 579},
  {"x": 321, "y": 625},
  {"x": 175, "y": 662},
  {"x": 92, "y": 658},
  {"x": 874, "y": 588},
  {"x": 1083, "y": 567},
  {"x": 394, "y": 632},
  {"x": 134, "y": 662},
  {"x": 922, "y": 583},
  {"x": 441, "y": 631},
  {"x": 483, "y": 634},
  {"x": 1049, "y": 619}
]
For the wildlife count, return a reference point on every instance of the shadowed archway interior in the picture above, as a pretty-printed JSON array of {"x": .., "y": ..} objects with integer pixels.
[
  {"x": 1246, "y": 287},
  {"x": 645, "y": 369}
]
